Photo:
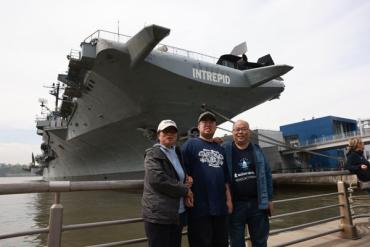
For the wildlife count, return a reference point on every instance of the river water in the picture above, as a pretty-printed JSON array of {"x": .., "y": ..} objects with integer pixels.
[{"x": 31, "y": 211}]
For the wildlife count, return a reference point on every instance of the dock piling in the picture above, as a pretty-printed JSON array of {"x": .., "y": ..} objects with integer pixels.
[{"x": 349, "y": 230}]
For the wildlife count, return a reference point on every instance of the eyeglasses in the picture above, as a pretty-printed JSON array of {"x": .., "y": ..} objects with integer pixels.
[
  {"x": 170, "y": 130},
  {"x": 241, "y": 130}
]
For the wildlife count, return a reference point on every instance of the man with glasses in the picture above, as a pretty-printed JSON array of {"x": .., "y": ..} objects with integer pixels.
[
  {"x": 204, "y": 160},
  {"x": 251, "y": 186}
]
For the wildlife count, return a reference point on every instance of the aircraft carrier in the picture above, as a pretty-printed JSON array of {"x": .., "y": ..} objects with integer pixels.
[{"x": 118, "y": 88}]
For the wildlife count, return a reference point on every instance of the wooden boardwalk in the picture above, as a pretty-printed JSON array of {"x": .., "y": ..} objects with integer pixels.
[{"x": 330, "y": 240}]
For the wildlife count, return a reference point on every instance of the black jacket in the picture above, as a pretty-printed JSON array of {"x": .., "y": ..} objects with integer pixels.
[
  {"x": 162, "y": 188},
  {"x": 354, "y": 161}
]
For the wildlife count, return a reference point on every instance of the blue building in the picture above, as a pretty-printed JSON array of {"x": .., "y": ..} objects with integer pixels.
[{"x": 310, "y": 131}]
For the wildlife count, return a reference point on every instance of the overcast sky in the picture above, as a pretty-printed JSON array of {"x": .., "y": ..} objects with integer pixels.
[{"x": 327, "y": 42}]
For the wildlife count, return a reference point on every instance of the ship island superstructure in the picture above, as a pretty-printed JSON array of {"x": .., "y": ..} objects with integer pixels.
[{"x": 117, "y": 90}]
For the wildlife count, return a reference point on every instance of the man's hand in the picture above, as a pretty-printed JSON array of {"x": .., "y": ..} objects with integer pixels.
[
  {"x": 270, "y": 208},
  {"x": 364, "y": 167},
  {"x": 218, "y": 140},
  {"x": 229, "y": 200},
  {"x": 188, "y": 181},
  {"x": 230, "y": 206},
  {"x": 189, "y": 199}
]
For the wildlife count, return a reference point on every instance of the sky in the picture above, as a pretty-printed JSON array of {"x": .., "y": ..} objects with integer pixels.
[{"x": 327, "y": 42}]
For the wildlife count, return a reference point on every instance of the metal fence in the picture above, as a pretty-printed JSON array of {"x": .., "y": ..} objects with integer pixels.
[
  {"x": 337, "y": 137},
  {"x": 103, "y": 34},
  {"x": 56, "y": 227}
]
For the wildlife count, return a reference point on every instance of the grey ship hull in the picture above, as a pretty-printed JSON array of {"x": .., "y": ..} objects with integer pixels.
[{"x": 107, "y": 132}]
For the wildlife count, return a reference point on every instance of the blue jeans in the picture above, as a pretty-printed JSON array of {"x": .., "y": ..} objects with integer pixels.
[{"x": 247, "y": 212}]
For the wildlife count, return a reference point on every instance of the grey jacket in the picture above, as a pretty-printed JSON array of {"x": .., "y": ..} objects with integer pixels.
[{"x": 162, "y": 188}]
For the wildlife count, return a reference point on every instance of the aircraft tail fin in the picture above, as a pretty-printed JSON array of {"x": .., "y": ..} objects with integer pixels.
[
  {"x": 140, "y": 45},
  {"x": 259, "y": 76}
]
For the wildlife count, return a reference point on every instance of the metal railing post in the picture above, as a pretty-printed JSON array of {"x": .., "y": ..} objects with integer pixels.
[
  {"x": 349, "y": 231},
  {"x": 55, "y": 223}
]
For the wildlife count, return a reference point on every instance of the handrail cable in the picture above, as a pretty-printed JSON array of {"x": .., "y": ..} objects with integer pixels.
[
  {"x": 308, "y": 238},
  {"x": 24, "y": 233},
  {"x": 356, "y": 216},
  {"x": 307, "y": 197},
  {"x": 361, "y": 206},
  {"x": 277, "y": 142},
  {"x": 101, "y": 223},
  {"x": 313, "y": 223},
  {"x": 305, "y": 211}
]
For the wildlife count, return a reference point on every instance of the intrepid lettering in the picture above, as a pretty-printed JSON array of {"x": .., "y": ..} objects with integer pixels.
[{"x": 210, "y": 76}]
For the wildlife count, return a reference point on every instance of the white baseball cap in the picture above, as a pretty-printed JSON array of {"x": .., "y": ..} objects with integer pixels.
[{"x": 164, "y": 124}]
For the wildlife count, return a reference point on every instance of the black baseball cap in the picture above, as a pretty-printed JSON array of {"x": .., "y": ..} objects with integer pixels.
[{"x": 207, "y": 116}]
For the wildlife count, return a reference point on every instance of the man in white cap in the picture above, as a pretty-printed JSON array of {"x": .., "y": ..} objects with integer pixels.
[
  {"x": 165, "y": 186},
  {"x": 206, "y": 164}
]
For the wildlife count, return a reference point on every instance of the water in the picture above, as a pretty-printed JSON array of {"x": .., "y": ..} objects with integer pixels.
[{"x": 31, "y": 211}]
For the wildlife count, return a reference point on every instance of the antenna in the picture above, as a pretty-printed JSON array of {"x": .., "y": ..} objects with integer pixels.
[
  {"x": 55, "y": 91},
  {"x": 43, "y": 105},
  {"x": 118, "y": 30}
]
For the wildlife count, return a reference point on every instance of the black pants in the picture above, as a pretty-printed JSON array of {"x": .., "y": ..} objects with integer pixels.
[
  {"x": 363, "y": 175},
  {"x": 209, "y": 231},
  {"x": 163, "y": 235}
]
